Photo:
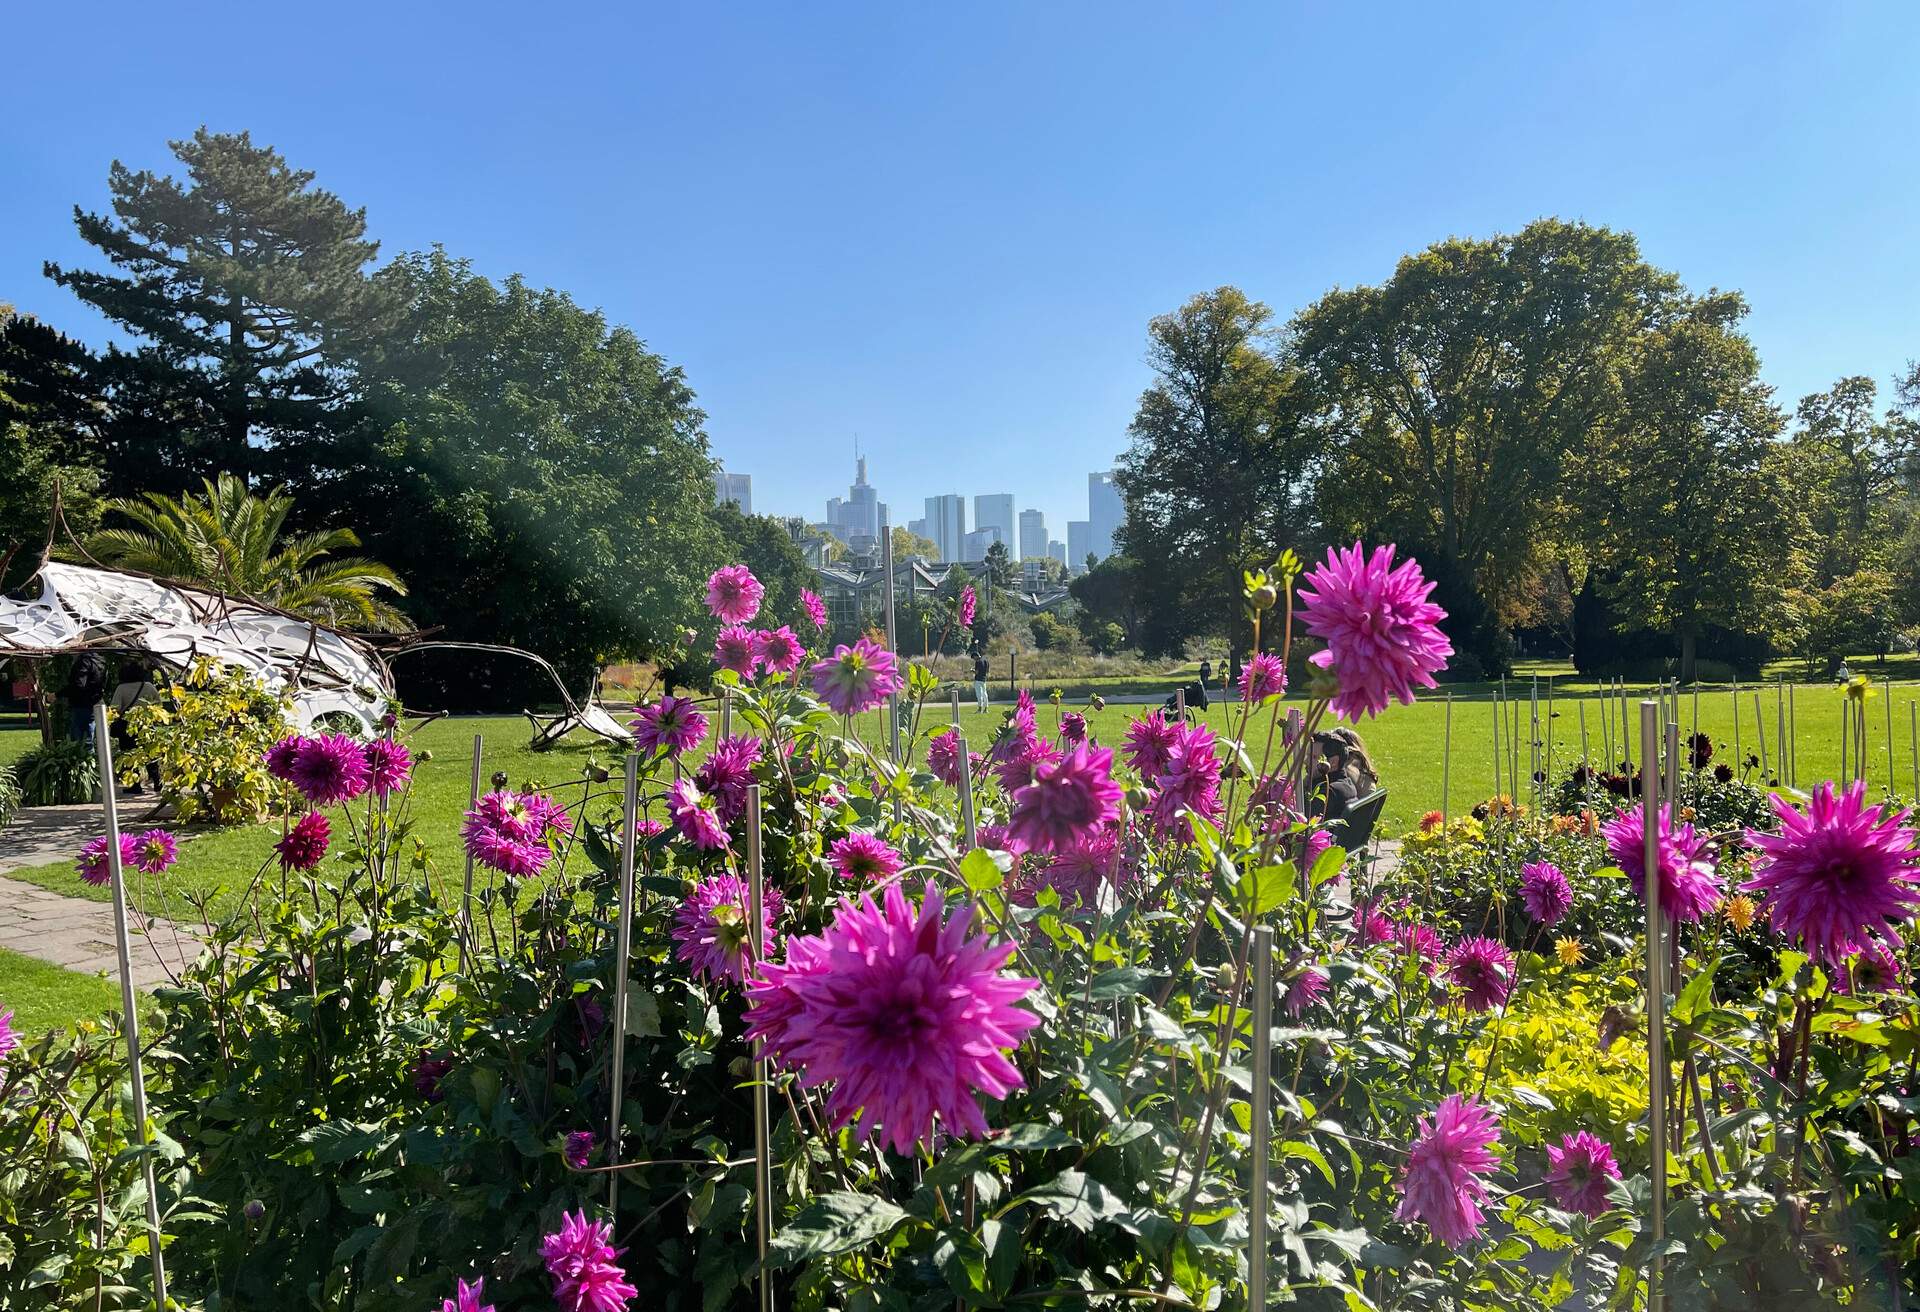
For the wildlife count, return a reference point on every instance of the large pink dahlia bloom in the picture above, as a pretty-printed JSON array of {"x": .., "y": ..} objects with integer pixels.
[
  {"x": 857, "y": 678},
  {"x": 1482, "y": 969},
  {"x": 1689, "y": 884},
  {"x": 1065, "y": 800},
  {"x": 1444, "y": 1181},
  {"x": 672, "y": 725},
  {"x": 902, "y": 1012},
  {"x": 1839, "y": 874},
  {"x": 581, "y": 1260},
  {"x": 710, "y": 927},
  {"x": 1544, "y": 891},
  {"x": 733, "y": 594},
  {"x": 1383, "y": 636},
  {"x": 331, "y": 768},
  {"x": 1578, "y": 1172}
]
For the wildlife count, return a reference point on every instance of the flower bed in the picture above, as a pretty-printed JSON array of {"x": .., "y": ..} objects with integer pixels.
[{"x": 1002, "y": 992}]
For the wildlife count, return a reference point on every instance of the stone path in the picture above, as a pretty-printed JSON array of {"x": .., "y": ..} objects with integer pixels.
[{"x": 76, "y": 932}]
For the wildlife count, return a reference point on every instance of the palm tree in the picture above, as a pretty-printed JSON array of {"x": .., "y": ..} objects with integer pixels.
[{"x": 229, "y": 540}]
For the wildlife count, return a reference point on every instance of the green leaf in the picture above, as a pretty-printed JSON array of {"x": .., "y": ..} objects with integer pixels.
[
  {"x": 980, "y": 871},
  {"x": 339, "y": 1141},
  {"x": 1031, "y": 1137},
  {"x": 1076, "y": 1198},
  {"x": 1327, "y": 866},
  {"x": 1273, "y": 885},
  {"x": 1121, "y": 982},
  {"x": 1693, "y": 997},
  {"x": 834, "y": 1223}
]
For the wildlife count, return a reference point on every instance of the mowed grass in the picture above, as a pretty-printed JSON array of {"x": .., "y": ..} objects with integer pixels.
[{"x": 43, "y": 997}]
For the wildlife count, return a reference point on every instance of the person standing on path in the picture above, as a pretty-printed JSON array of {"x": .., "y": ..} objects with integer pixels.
[
  {"x": 980, "y": 678},
  {"x": 85, "y": 687}
]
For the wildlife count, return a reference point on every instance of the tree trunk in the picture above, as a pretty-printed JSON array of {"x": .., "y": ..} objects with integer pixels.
[{"x": 1687, "y": 642}]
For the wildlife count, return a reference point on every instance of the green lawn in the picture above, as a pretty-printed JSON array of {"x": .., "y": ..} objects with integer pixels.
[{"x": 44, "y": 997}]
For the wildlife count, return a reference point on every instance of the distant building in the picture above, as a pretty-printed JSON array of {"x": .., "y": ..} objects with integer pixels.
[
  {"x": 1079, "y": 545},
  {"x": 918, "y": 527},
  {"x": 737, "y": 488},
  {"x": 996, "y": 511},
  {"x": 974, "y": 545},
  {"x": 1105, "y": 513},
  {"x": 1057, "y": 551},
  {"x": 856, "y": 520},
  {"x": 947, "y": 525},
  {"x": 1033, "y": 535}
]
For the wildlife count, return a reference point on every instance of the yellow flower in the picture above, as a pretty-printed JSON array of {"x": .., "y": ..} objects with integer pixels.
[
  {"x": 1740, "y": 910},
  {"x": 1860, "y": 687},
  {"x": 1569, "y": 951}
]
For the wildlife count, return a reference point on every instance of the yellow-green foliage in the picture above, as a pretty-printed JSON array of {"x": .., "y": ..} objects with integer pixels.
[
  {"x": 1552, "y": 1071},
  {"x": 209, "y": 731}
]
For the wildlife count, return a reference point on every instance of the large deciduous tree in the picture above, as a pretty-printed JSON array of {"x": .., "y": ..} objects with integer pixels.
[
  {"x": 1212, "y": 478},
  {"x": 48, "y": 441},
  {"x": 541, "y": 478},
  {"x": 234, "y": 285},
  {"x": 1449, "y": 396}
]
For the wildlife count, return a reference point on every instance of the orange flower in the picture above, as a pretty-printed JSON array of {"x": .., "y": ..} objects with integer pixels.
[{"x": 1431, "y": 821}]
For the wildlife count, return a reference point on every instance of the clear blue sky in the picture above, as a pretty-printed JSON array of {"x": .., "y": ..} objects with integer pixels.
[{"x": 944, "y": 228}]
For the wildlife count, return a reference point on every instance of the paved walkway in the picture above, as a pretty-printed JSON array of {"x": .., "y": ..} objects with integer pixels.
[{"x": 76, "y": 932}]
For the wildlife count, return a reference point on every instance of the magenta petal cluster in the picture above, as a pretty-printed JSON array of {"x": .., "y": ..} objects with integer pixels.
[
  {"x": 727, "y": 773},
  {"x": 816, "y": 608},
  {"x": 281, "y": 756},
  {"x": 306, "y": 843},
  {"x": 389, "y": 766},
  {"x": 1065, "y": 799},
  {"x": 330, "y": 769},
  {"x": 905, "y": 1014},
  {"x": 1422, "y": 943},
  {"x": 584, "y": 1267},
  {"x": 1839, "y": 874},
  {"x": 1190, "y": 781},
  {"x": 1689, "y": 884},
  {"x": 673, "y": 725},
  {"x": 737, "y": 649},
  {"x": 578, "y": 1151},
  {"x": 693, "y": 815},
  {"x": 509, "y": 832},
  {"x": 857, "y": 678},
  {"x": 1148, "y": 744},
  {"x": 8, "y": 1039},
  {"x": 1873, "y": 969},
  {"x": 943, "y": 757},
  {"x": 1544, "y": 892},
  {"x": 1578, "y": 1172},
  {"x": 1444, "y": 1181},
  {"x": 1263, "y": 676},
  {"x": 93, "y": 865},
  {"x": 1073, "y": 727},
  {"x": 779, "y": 650},
  {"x": 864, "y": 858},
  {"x": 969, "y": 606},
  {"x": 1383, "y": 636},
  {"x": 710, "y": 927},
  {"x": 466, "y": 1298},
  {"x": 733, "y": 594},
  {"x": 1482, "y": 969},
  {"x": 1303, "y": 990}
]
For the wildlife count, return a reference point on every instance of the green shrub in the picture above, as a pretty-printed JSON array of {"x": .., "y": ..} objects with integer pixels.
[
  {"x": 59, "y": 773},
  {"x": 9, "y": 796},
  {"x": 208, "y": 732}
]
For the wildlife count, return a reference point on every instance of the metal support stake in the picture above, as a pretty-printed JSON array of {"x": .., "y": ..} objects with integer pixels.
[
  {"x": 966, "y": 790},
  {"x": 1656, "y": 990},
  {"x": 129, "y": 1003},
  {"x": 1739, "y": 757},
  {"x": 1760, "y": 729},
  {"x": 1262, "y": 1110},
  {"x": 1913, "y": 745},
  {"x": 762, "y": 1118},
  {"x": 1793, "y": 743},
  {"x": 1886, "y": 690},
  {"x": 622, "y": 954},
  {"x": 466, "y": 881},
  {"x": 1446, "y": 766}
]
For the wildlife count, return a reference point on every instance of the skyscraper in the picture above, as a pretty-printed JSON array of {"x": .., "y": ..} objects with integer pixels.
[
  {"x": 856, "y": 521},
  {"x": 1105, "y": 513},
  {"x": 1057, "y": 550},
  {"x": 1033, "y": 534},
  {"x": 974, "y": 545},
  {"x": 1079, "y": 544},
  {"x": 996, "y": 511},
  {"x": 947, "y": 524},
  {"x": 737, "y": 488}
]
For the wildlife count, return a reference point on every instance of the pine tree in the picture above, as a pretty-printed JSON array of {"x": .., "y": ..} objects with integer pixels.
[{"x": 238, "y": 284}]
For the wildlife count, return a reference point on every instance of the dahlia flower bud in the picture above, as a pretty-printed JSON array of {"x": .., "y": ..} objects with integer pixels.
[
  {"x": 1264, "y": 597},
  {"x": 499, "y": 781},
  {"x": 255, "y": 1209}
]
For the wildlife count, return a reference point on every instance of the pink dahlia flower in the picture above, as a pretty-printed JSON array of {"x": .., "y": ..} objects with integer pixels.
[
  {"x": 1015, "y": 771},
  {"x": 1873, "y": 969},
  {"x": 584, "y": 1266},
  {"x": 426, "y": 1073},
  {"x": 389, "y": 766},
  {"x": 508, "y": 832},
  {"x": 1148, "y": 745},
  {"x": 943, "y": 757},
  {"x": 774, "y": 1003},
  {"x": 1482, "y": 969},
  {"x": 282, "y": 755},
  {"x": 1303, "y": 990},
  {"x": 733, "y": 594},
  {"x": 693, "y": 816},
  {"x": 305, "y": 843},
  {"x": 711, "y": 927},
  {"x": 1837, "y": 875},
  {"x": 1073, "y": 727},
  {"x": 672, "y": 725},
  {"x": 856, "y": 678},
  {"x": 329, "y": 769},
  {"x": 1421, "y": 943},
  {"x": 153, "y": 851},
  {"x": 1075, "y": 875},
  {"x": 1371, "y": 926},
  {"x": 1689, "y": 885},
  {"x": 578, "y": 1151},
  {"x": 466, "y": 1298},
  {"x": 1065, "y": 800},
  {"x": 737, "y": 649},
  {"x": 816, "y": 608},
  {"x": 969, "y": 606},
  {"x": 904, "y": 1014},
  {"x": 8, "y": 1039},
  {"x": 1190, "y": 781},
  {"x": 1544, "y": 891},
  {"x": 727, "y": 773},
  {"x": 1020, "y": 732},
  {"x": 1383, "y": 636},
  {"x": 1578, "y": 1172},
  {"x": 779, "y": 650},
  {"x": 1444, "y": 1181},
  {"x": 1263, "y": 676},
  {"x": 864, "y": 858}
]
